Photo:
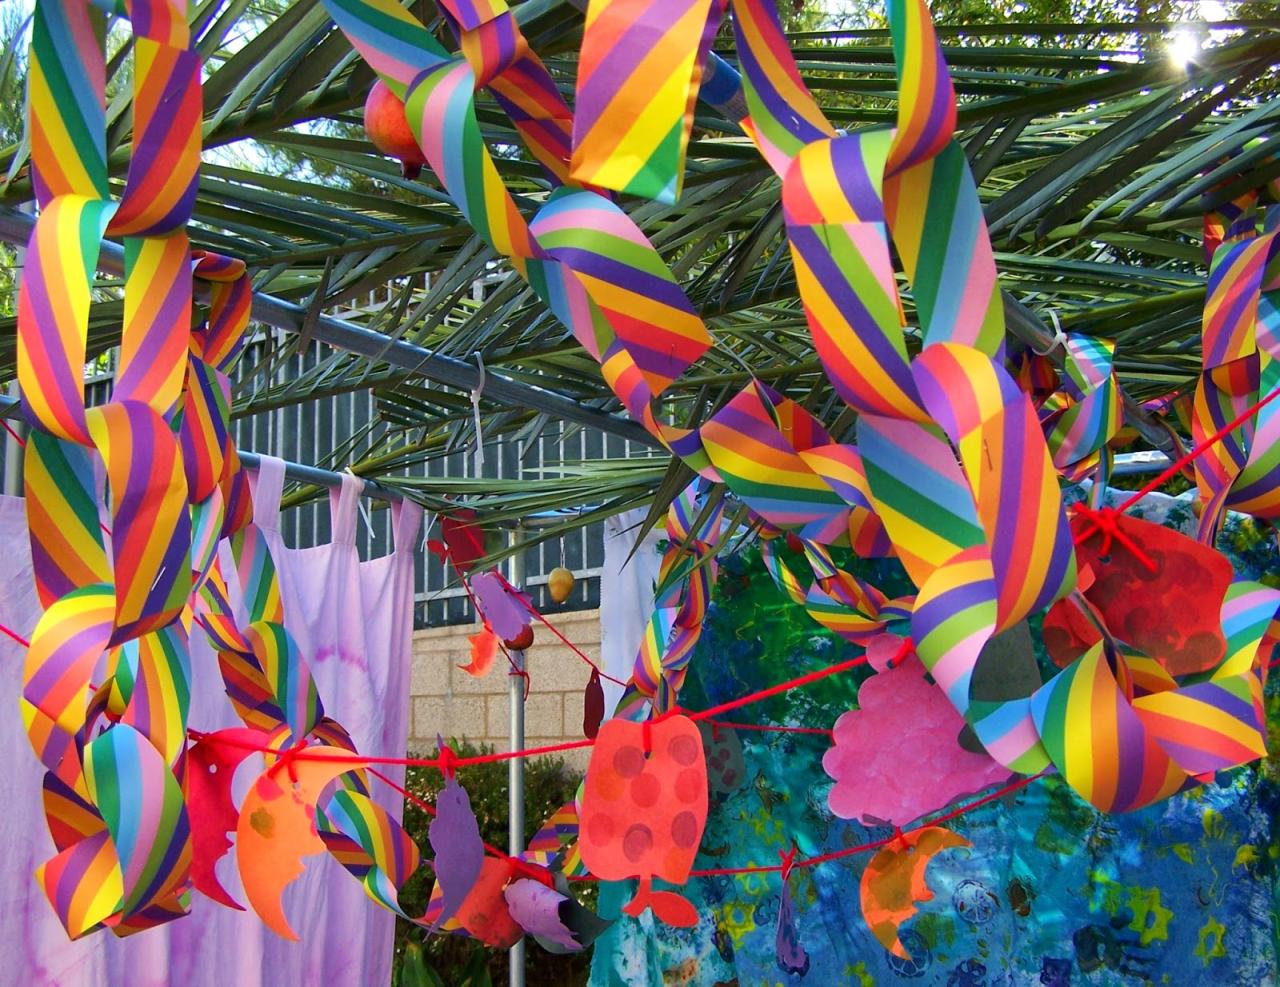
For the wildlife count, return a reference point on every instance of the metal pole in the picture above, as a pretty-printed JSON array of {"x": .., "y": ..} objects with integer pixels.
[
  {"x": 515, "y": 766},
  {"x": 16, "y": 227},
  {"x": 13, "y": 454}
]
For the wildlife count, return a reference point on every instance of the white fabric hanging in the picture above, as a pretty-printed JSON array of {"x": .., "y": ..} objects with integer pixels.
[
  {"x": 626, "y": 596},
  {"x": 353, "y": 623}
]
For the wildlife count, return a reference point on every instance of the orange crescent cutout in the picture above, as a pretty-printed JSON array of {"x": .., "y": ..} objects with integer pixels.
[
  {"x": 277, "y": 828},
  {"x": 894, "y": 881}
]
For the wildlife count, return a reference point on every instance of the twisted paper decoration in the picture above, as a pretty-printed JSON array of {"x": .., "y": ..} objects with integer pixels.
[
  {"x": 1241, "y": 346},
  {"x": 984, "y": 538},
  {"x": 952, "y": 467},
  {"x": 592, "y": 265},
  {"x": 117, "y": 757}
]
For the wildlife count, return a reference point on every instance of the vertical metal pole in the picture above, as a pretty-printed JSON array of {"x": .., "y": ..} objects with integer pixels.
[
  {"x": 515, "y": 766},
  {"x": 13, "y": 455}
]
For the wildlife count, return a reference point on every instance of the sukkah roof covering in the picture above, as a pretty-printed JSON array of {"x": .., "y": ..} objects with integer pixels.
[{"x": 1096, "y": 153}]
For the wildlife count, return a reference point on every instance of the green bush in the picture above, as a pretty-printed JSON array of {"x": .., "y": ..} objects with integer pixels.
[{"x": 424, "y": 960}]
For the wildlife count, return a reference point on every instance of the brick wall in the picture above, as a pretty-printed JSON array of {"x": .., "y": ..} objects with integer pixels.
[{"x": 449, "y": 702}]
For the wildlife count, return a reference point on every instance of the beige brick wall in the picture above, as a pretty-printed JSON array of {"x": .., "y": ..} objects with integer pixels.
[{"x": 448, "y": 701}]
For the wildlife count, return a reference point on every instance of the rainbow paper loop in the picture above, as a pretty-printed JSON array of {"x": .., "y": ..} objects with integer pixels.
[
  {"x": 1241, "y": 346},
  {"x": 1085, "y": 415},
  {"x": 1125, "y": 733},
  {"x": 120, "y": 591}
]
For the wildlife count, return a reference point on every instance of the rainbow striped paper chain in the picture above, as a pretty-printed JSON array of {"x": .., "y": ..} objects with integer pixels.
[
  {"x": 116, "y": 753},
  {"x": 952, "y": 472}
]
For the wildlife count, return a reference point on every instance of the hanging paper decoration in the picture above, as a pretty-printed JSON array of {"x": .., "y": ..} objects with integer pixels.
[
  {"x": 895, "y": 881},
  {"x": 1081, "y": 419},
  {"x": 125, "y": 856},
  {"x": 792, "y": 956},
  {"x": 897, "y": 756},
  {"x": 277, "y": 828},
  {"x": 1240, "y": 352},
  {"x": 1156, "y": 590},
  {"x": 592, "y": 706},
  {"x": 455, "y": 838},
  {"x": 505, "y": 609},
  {"x": 628, "y": 134},
  {"x": 952, "y": 473},
  {"x": 484, "y": 650},
  {"x": 685, "y": 578},
  {"x": 1122, "y": 730},
  {"x": 644, "y": 807},
  {"x": 559, "y": 923}
]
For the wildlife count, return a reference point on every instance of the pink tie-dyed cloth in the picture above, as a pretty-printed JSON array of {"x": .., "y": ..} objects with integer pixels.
[{"x": 353, "y": 621}]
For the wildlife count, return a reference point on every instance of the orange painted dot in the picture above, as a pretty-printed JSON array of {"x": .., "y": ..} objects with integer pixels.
[
  {"x": 689, "y": 785},
  {"x": 645, "y": 791},
  {"x": 684, "y": 749},
  {"x": 637, "y": 842}
]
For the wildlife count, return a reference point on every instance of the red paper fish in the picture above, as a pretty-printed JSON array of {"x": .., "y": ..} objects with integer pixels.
[
  {"x": 1170, "y": 610},
  {"x": 643, "y": 812}
]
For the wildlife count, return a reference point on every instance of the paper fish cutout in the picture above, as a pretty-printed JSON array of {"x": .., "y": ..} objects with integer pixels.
[
  {"x": 506, "y": 610},
  {"x": 643, "y": 814},
  {"x": 555, "y": 919},
  {"x": 1070, "y": 629},
  {"x": 536, "y": 909},
  {"x": 211, "y": 768},
  {"x": 894, "y": 881},
  {"x": 726, "y": 767},
  {"x": 592, "y": 706},
  {"x": 277, "y": 828},
  {"x": 463, "y": 538},
  {"x": 792, "y": 957},
  {"x": 455, "y": 838},
  {"x": 484, "y": 649},
  {"x": 484, "y": 912},
  {"x": 898, "y": 755},
  {"x": 1172, "y": 614}
]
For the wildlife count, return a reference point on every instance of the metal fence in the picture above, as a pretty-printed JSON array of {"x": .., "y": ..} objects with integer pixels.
[{"x": 310, "y": 431}]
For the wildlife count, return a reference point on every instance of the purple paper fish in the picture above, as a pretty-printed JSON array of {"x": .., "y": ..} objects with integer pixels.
[
  {"x": 504, "y": 608},
  {"x": 459, "y": 851},
  {"x": 792, "y": 957},
  {"x": 536, "y": 909}
]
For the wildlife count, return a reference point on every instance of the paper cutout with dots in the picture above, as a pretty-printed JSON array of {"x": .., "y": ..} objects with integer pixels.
[{"x": 643, "y": 812}]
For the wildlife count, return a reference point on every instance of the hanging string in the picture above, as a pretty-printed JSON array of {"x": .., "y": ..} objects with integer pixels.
[
  {"x": 567, "y": 643},
  {"x": 1195, "y": 453},
  {"x": 17, "y": 637},
  {"x": 16, "y": 437}
]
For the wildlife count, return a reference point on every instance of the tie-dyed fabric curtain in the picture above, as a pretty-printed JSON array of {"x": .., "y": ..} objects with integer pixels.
[
  {"x": 1052, "y": 893},
  {"x": 354, "y": 622}
]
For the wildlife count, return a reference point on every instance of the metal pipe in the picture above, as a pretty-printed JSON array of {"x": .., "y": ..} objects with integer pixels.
[
  {"x": 16, "y": 227},
  {"x": 515, "y": 766},
  {"x": 298, "y": 472}
]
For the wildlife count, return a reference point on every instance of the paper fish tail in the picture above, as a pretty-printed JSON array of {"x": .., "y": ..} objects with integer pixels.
[{"x": 668, "y": 906}]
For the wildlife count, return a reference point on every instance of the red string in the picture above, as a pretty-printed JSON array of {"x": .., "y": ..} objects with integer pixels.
[
  {"x": 430, "y": 810},
  {"x": 796, "y": 683},
  {"x": 8, "y": 633},
  {"x": 1106, "y": 521},
  {"x": 771, "y": 728},
  {"x": 475, "y": 605},
  {"x": 16, "y": 437},
  {"x": 1196, "y": 452},
  {"x": 874, "y": 844},
  {"x": 569, "y": 644}
]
